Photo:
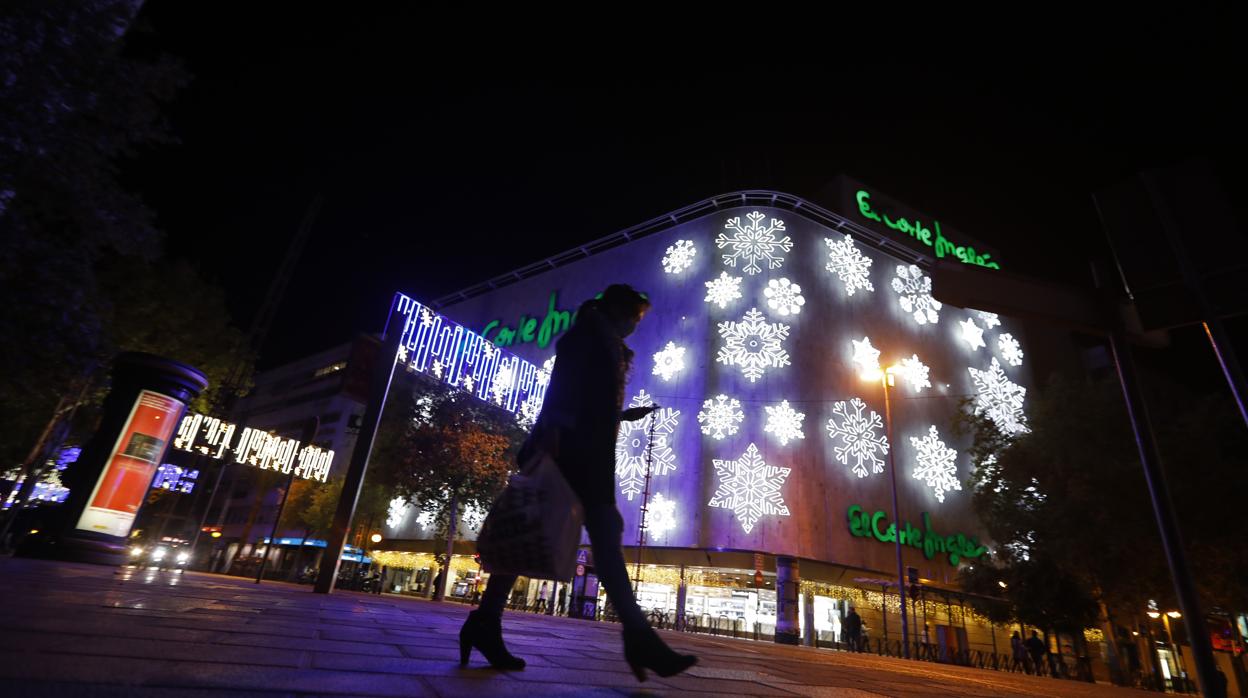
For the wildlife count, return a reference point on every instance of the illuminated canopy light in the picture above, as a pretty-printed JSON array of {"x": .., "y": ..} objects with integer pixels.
[
  {"x": 784, "y": 422},
  {"x": 1000, "y": 398},
  {"x": 209, "y": 436},
  {"x": 720, "y": 417},
  {"x": 669, "y": 361},
  {"x": 753, "y": 344},
  {"x": 859, "y": 435},
  {"x": 852, "y": 266},
  {"x": 784, "y": 297},
  {"x": 754, "y": 242},
  {"x": 936, "y": 464},
  {"x": 914, "y": 289},
  {"x": 1010, "y": 349},
  {"x": 750, "y": 488},
  {"x": 679, "y": 257},
  {"x": 632, "y": 443},
  {"x": 723, "y": 290},
  {"x": 972, "y": 334}
]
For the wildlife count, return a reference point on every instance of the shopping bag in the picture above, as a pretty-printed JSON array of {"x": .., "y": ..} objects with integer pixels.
[{"x": 534, "y": 528}]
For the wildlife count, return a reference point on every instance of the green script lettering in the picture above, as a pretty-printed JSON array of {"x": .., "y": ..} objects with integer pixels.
[
  {"x": 943, "y": 246},
  {"x": 957, "y": 546},
  {"x": 527, "y": 329}
]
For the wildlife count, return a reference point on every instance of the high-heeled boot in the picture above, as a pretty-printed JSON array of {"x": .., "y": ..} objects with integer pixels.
[
  {"x": 644, "y": 649},
  {"x": 486, "y": 634}
]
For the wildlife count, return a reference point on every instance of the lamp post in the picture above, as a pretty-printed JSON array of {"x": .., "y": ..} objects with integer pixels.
[
  {"x": 886, "y": 379},
  {"x": 1165, "y": 623}
]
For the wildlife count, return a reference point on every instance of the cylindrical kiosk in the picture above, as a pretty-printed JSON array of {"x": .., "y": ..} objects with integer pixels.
[
  {"x": 110, "y": 481},
  {"x": 788, "y": 586}
]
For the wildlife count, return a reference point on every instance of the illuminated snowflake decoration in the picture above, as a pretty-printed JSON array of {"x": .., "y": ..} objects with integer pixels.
[
  {"x": 528, "y": 412},
  {"x": 784, "y": 422},
  {"x": 401, "y": 356},
  {"x": 473, "y": 517},
  {"x": 543, "y": 374},
  {"x": 754, "y": 242},
  {"x": 852, "y": 266},
  {"x": 468, "y": 383},
  {"x": 935, "y": 466},
  {"x": 1010, "y": 349},
  {"x": 426, "y": 317},
  {"x": 395, "y": 512},
  {"x": 750, "y": 488},
  {"x": 915, "y": 372},
  {"x": 436, "y": 366},
  {"x": 660, "y": 516},
  {"x": 972, "y": 334},
  {"x": 669, "y": 361},
  {"x": 633, "y": 441},
  {"x": 784, "y": 297},
  {"x": 723, "y": 290},
  {"x": 915, "y": 291},
  {"x": 866, "y": 356},
  {"x": 424, "y": 520},
  {"x": 860, "y": 435},
  {"x": 753, "y": 344},
  {"x": 1000, "y": 399},
  {"x": 679, "y": 257},
  {"x": 991, "y": 320},
  {"x": 503, "y": 379},
  {"x": 720, "y": 417}
]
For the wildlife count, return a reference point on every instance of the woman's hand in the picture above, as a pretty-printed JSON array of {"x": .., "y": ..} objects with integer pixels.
[{"x": 633, "y": 414}]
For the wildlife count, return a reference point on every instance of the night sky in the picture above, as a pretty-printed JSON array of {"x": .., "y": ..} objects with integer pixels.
[{"x": 447, "y": 152}]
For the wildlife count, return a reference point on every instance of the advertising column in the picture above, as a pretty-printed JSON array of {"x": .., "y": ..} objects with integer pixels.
[{"x": 788, "y": 582}]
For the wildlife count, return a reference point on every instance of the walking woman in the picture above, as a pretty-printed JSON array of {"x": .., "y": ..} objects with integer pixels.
[{"x": 577, "y": 427}]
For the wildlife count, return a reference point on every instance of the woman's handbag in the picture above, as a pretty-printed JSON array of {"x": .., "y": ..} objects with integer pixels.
[{"x": 534, "y": 528}]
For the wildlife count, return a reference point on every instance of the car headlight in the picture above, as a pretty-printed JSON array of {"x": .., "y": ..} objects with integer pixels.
[
  {"x": 183, "y": 557},
  {"x": 136, "y": 552},
  {"x": 159, "y": 553}
]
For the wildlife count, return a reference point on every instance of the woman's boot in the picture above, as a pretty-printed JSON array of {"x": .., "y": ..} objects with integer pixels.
[
  {"x": 486, "y": 634},
  {"x": 644, "y": 649}
]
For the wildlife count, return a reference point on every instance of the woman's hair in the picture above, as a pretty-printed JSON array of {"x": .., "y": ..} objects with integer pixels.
[{"x": 622, "y": 299}]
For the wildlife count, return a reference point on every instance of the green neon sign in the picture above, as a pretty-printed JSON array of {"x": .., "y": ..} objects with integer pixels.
[
  {"x": 527, "y": 329},
  {"x": 957, "y": 546},
  {"x": 942, "y": 245}
]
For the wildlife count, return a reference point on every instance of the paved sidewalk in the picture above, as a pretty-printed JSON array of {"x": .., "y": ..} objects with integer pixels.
[{"x": 68, "y": 629}]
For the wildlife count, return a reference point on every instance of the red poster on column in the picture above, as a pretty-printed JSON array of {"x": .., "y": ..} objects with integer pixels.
[{"x": 123, "y": 484}]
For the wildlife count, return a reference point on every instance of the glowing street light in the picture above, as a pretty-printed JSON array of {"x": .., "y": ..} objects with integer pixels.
[
  {"x": 376, "y": 538},
  {"x": 885, "y": 377}
]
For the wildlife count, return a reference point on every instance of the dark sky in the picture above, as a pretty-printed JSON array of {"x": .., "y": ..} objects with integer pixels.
[{"x": 448, "y": 152}]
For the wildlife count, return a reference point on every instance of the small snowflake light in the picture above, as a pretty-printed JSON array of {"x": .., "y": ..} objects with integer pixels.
[
  {"x": 935, "y": 464},
  {"x": 679, "y": 257},
  {"x": 669, "y": 361},
  {"x": 468, "y": 383},
  {"x": 991, "y": 320},
  {"x": 784, "y": 297},
  {"x": 915, "y": 291},
  {"x": 866, "y": 356},
  {"x": 972, "y": 334},
  {"x": 1010, "y": 349},
  {"x": 543, "y": 374},
  {"x": 395, "y": 512},
  {"x": 750, "y": 488},
  {"x": 528, "y": 412},
  {"x": 1000, "y": 399},
  {"x": 915, "y": 372},
  {"x": 784, "y": 422},
  {"x": 723, "y": 290},
  {"x": 853, "y": 267},
  {"x": 436, "y": 366},
  {"x": 402, "y": 355},
  {"x": 753, "y": 344},
  {"x": 633, "y": 446},
  {"x": 503, "y": 379},
  {"x": 860, "y": 436},
  {"x": 754, "y": 242},
  {"x": 660, "y": 516},
  {"x": 720, "y": 417}
]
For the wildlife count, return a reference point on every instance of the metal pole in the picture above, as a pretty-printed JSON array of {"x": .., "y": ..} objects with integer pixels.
[
  {"x": 892, "y": 475},
  {"x": 379, "y": 388},
  {"x": 645, "y": 507}
]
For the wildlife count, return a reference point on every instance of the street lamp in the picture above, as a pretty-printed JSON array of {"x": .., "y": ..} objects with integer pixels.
[
  {"x": 376, "y": 538},
  {"x": 1154, "y": 613},
  {"x": 886, "y": 379}
]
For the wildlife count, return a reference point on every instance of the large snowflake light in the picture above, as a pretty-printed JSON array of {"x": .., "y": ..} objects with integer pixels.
[
  {"x": 750, "y": 488},
  {"x": 915, "y": 371},
  {"x": 669, "y": 361},
  {"x": 935, "y": 464},
  {"x": 632, "y": 442},
  {"x": 679, "y": 257},
  {"x": 915, "y": 291},
  {"x": 754, "y": 242},
  {"x": 860, "y": 436},
  {"x": 866, "y": 356},
  {"x": 1010, "y": 349},
  {"x": 1000, "y": 399},
  {"x": 784, "y": 297},
  {"x": 723, "y": 290},
  {"x": 852, "y": 266},
  {"x": 720, "y": 417},
  {"x": 660, "y": 516},
  {"x": 753, "y": 344},
  {"x": 784, "y": 422},
  {"x": 972, "y": 334}
]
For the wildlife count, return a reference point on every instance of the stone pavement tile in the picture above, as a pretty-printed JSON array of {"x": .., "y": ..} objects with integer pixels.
[
  {"x": 480, "y": 688},
  {"x": 303, "y": 643},
  {"x": 157, "y": 650},
  {"x": 25, "y": 689},
  {"x": 724, "y": 687},
  {"x": 104, "y": 627},
  {"x": 451, "y": 654},
  {"x": 401, "y": 665},
  {"x": 837, "y": 692},
  {"x": 353, "y": 634},
  {"x": 607, "y": 675}
]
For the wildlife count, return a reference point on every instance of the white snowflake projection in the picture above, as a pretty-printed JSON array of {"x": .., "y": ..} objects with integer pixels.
[
  {"x": 395, "y": 512},
  {"x": 1010, "y": 349},
  {"x": 720, "y": 417},
  {"x": 753, "y": 344},
  {"x": 528, "y": 412},
  {"x": 501, "y": 386},
  {"x": 754, "y": 242},
  {"x": 669, "y": 361},
  {"x": 972, "y": 334},
  {"x": 866, "y": 356},
  {"x": 936, "y": 466},
  {"x": 679, "y": 257},
  {"x": 633, "y": 441},
  {"x": 473, "y": 517},
  {"x": 723, "y": 290},
  {"x": 424, "y": 520},
  {"x": 660, "y": 516},
  {"x": 991, "y": 320},
  {"x": 852, "y": 266},
  {"x": 915, "y": 372},
  {"x": 750, "y": 488},
  {"x": 915, "y": 289},
  {"x": 543, "y": 374},
  {"x": 784, "y": 422},
  {"x": 1000, "y": 399},
  {"x": 860, "y": 435},
  {"x": 784, "y": 297}
]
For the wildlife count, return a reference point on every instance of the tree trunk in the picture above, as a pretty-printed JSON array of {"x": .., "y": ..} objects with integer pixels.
[{"x": 451, "y": 529}]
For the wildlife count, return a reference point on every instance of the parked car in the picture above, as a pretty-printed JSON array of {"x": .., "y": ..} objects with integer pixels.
[{"x": 161, "y": 556}]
